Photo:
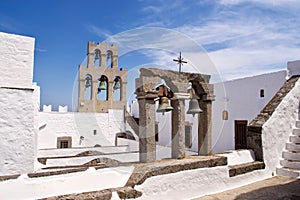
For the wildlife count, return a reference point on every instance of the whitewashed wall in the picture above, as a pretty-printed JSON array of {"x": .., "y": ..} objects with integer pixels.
[
  {"x": 241, "y": 98},
  {"x": 75, "y": 124},
  {"x": 16, "y": 60},
  {"x": 17, "y": 104},
  {"x": 276, "y": 130},
  {"x": 17, "y": 131}
]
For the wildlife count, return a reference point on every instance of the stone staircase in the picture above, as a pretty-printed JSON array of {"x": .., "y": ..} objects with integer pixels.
[
  {"x": 132, "y": 122},
  {"x": 291, "y": 156}
]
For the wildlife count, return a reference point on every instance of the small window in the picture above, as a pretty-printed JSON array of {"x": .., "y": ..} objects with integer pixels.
[
  {"x": 262, "y": 93},
  {"x": 64, "y": 144}
]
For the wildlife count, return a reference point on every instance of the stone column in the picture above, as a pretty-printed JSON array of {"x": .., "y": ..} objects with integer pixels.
[
  {"x": 103, "y": 60},
  {"x": 123, "y": 91},
  {"x": 147, "y": 148},
  {"x": 178, "y": 125},
  {"x": 110, "y": 90},
  {"x": 94, "y": 89},
  {"x": 115, "y": 61},
  {"x": 90, "y": 61},
  {"x": 204, "y": 128},
  {"x": 81, "y": 88}
]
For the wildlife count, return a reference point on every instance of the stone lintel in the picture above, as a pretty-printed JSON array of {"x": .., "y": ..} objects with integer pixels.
[
  {"x": 146, "y": 95},
  {"x": 182, "y": 96}
]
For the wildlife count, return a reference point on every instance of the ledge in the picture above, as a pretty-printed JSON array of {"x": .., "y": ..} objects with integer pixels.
[
  {"x": 167, "y": 166},
  {"x": 244, "y": 168},
  {"x": 8, "y": 177}
]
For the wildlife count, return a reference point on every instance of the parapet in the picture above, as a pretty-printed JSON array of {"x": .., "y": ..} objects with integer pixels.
[{"x": 61, "y": 109}]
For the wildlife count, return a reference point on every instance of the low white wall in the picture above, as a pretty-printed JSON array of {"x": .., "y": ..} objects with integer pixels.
[
  {"x": 17, "y": 131},
  {"x": 16, "y": 60},
  {"x": 276, "y": 130},
  {"x": 237, "y": 157},
  {"x": 90, "y": 180},
  {"x": 194, "y": 183},
  {"x": 75, "y": 125},
  {"x": 75, "y": 151}
]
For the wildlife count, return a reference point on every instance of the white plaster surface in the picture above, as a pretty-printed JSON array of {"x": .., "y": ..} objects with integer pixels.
[
  {"x": 278, "y": 128},
  {"x": 74, "y": 151},
  {"x": 89, "y": 180},
  {"x": 16, "y": 56},
  {"x": 16, "y": 131},
  {"x": 293, "y": 68},
  {"x": 239, "y": 156},
  {"x": 195, "y": 183},
  {"x": 75, "y": 124}
]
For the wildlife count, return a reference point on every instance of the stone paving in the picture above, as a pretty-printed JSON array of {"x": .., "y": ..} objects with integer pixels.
[{"x": 275, "y": 188}]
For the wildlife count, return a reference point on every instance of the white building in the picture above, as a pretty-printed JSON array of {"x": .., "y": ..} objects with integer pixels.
[{"x": 19, "y": 102}]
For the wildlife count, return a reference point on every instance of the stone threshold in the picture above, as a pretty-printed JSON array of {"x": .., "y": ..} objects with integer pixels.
[{"x": 244, "y": 168}]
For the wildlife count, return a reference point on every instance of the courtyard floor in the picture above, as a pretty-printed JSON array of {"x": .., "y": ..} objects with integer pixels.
[{"x": 275, "y": 188}]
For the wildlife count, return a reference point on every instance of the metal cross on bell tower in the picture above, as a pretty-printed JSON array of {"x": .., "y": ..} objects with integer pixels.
[{"x": 180, "y": 61}]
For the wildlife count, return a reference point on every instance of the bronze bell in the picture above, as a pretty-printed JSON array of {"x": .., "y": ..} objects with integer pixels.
[
  {"x": 117, "y": 85},
  {"x": 101, "y": 86},
  {"x": 194, "y": 107},
  {"x": 164, "y": 105},
  {"x": 87, "y": 83},
  {"x": 97, "y": 55}
]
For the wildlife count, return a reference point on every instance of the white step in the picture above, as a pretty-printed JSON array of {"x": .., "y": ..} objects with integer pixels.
[
  {"x": 288, "y": 172},
  {"x": 295, "y": 139},
  {"x": 290, "y": 164},
  {"x": 298, "y": 124},
  {"x": 296, "y": 131},
  {"x": 292, "y": 147},
  {"x": 291, "y": 156}
]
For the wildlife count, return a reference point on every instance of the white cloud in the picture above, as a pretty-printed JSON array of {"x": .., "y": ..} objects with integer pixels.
[
  {"x": 98, "y": 31},
  {"x": 265, "y": 2},
  {"x": 241, "y": 41}
]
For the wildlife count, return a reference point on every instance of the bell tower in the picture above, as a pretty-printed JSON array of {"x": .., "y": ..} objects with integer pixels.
[{"x": 101, "y": 84}]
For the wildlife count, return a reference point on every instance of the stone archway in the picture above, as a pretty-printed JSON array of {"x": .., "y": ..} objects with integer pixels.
[{"x": 178, "y": 82}]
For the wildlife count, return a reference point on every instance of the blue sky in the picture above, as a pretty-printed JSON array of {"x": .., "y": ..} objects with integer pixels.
[{"x": 241, "y": 37}]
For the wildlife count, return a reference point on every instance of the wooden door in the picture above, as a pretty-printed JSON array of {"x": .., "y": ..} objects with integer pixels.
[{"x": 240, "y": 134}]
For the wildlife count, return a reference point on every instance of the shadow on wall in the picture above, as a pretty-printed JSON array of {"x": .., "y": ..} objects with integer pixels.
[{"x": 289, "y": 191}]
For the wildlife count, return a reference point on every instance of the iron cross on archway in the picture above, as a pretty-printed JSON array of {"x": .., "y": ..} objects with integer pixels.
[{"x": 180, "y": 61}]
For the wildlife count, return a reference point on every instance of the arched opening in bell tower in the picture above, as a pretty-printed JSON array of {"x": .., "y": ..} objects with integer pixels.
[
  {"x": 117, "y": 86},
  {"x": 102, "y": 89},
  {"x": 97, "y": 57},
  {"x": 88, "y": 87},
  {"x": 109, "y": 60}
]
